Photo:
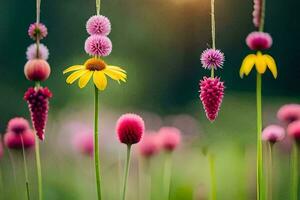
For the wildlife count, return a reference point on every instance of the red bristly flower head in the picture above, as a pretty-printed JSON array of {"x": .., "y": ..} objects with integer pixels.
[
  {"x": 130, "y": 128},
  {"x": 38, "y": 103},
  {"x": 211, "y": 95}
]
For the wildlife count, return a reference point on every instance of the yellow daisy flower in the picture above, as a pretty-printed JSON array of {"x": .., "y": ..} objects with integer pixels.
[
  {"x": 261, "y": 62},
  {"x": 96, "y": 68}
]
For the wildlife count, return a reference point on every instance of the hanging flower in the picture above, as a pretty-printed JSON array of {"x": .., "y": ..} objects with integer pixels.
[
  {"x": 98, "y": 45},
  {"x": 257, "y": 12},
  {"x": 37, "y": 70},
  {"x": 259, "y": 41},
  {"x": 37, "y": 31},
  {"x": 38, "y": 103},
  {"x": 98, "y": 25},
  {"x": 212, "y": 58},
  {"x": 98, "y": 69},
  {"x": 31, "y": 52}
]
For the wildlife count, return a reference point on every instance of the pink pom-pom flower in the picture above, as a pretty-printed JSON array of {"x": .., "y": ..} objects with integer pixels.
[
  {"x": 98, "y": 45},
  {"x": 293, "y": 130},
  {"x": 273, "y": 133},
  {"x": 257, "y": 12},
  {"x": 289, "y": 113},
  {"x": 18, "y": 125},
  {"x": 211, "y": 95},
  {"x": 43, "y": 52},
  {"x": 14, "y": 141},
  {"x": 149, "y": 145},
  {"x": 170, "y": 138},
  {"x": 130, "y": 128},
  {"x": 259, "y": 41},
  {"x": 98, "y": 25},
  {"x": 212, "y": 58},
  {"x": 37, "y": 31},
  {"x": 38, "y": 103},
  {"x": 37, "y": 70},
  {"x": 83, "y": 142}
]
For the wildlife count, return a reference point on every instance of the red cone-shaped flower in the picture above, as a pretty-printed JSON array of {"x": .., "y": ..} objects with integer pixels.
[
  {"x": 38, "y": 103},
  {"x": 211, "y": 95}
]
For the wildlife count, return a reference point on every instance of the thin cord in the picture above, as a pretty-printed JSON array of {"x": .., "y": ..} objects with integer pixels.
[
  {"x": 213, "y": 30},
  {"x": 38, "y": 11},
  {"x": 98, "y": 5}
]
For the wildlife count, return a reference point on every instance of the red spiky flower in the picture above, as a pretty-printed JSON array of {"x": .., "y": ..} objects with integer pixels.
[
  {"x": 211, "y": 95},
  {"x": 38, "y": 103}
]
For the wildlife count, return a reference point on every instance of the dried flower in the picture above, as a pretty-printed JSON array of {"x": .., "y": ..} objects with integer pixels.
[
  {"x": 14, "y": 141},
  {"x": 37, "y": 70},
  {"x": 170, "y": 138},
  {"x": 98, "y": 45},
  {"x": 37, "y": 31},
  {"x": 38, "y": 103},
  {"x": 212, "y": 58},
  {"x": 211, "y": 95},
  {"x": 98, "y": 25},
  {"x": 289, "y": 113},
  {"x": 130, "y": 128},
  {"x": 259, "y": 41},
  {"x": 273, "y": 133},
  {"x": 31, "y": 52}
]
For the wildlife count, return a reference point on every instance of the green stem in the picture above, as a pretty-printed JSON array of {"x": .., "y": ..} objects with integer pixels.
[
  {"x": 167, "y": 175},
  {"x": 294, "y": 177},
  {"x": 25, "y": 169},
  {"x": 126, "y": 170},
  {"x": 98, "y": 5},
  {"x": 96, "y": 144},
  {"x": 213, "y": 187},
  {"x": 270, "y": 167},
  {"x": 213, "y": 31},
  {"x": 39, "y": 169},
  {"x": 259, "y": 169}
]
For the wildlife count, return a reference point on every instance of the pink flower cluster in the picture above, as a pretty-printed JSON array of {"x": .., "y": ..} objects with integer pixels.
[
  {"x": 98, "y": 44},
  {"x": 257, "y": 12},
  {"x": 38, "y": 103},
  {"x": 19, "y": 134}
]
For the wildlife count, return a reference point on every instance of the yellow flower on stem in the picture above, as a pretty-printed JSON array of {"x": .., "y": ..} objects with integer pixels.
[
  {"x": 261, "y": 62},
  {"x": 96, "y": 68}
]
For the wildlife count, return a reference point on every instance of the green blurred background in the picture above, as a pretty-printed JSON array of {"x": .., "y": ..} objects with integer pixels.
[{"x": 159, "y": 43}]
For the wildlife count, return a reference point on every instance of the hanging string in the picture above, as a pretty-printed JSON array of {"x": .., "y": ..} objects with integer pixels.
[
  {"x": 38, "y": 14},
  {"x": 98, "y": 5},
  {"x": 262, "y": 16},
  {"x": 213, "y": 30}
]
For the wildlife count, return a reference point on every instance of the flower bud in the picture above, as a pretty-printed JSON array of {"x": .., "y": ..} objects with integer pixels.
[{"x": 37, "y": 70}]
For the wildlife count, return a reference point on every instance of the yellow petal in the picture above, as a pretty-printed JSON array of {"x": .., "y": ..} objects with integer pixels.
[
  {"x": 260, "y": 63},
  {"x": 116, "y": 75},
  {"x": 247, "y": 65},
  {"x": 271, "y": 65},
  {"x": 117, "y": 68},
  {"x": 75, "y": 75},
  {"x": 84, "y": 79},
  {"x": 73, "y": 68},
  {"x": 100, "y": 80}
]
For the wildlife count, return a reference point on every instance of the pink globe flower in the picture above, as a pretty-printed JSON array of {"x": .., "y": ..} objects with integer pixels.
[
  {"x": 37, "y": 31},
  {"x": 257, "y": 12},
  {"x": 170, "y": 138},
  {"x": 43, "y": 52},
  {"x": 98, "y": 25},
  {"x": 273, "y": 133},
  {"x": 38, "y": 103},
  {"x": 259, "y": 41},
  {"x": 37, "y": 70},
  {"x": 83, "y": 142},
  {"x": 130, "y": 128},
  {"x": 293, "y": 130},
  {"x": 18, "y": 125},
  {"x": 98, "y": 45},
  {"x": 149, "y": 145},
  {"x": 212, "y": 58},
  {"x": 211, "y": 95},
  {"x": 289, "y": 113},
  {"x": 14, "y": 141}
]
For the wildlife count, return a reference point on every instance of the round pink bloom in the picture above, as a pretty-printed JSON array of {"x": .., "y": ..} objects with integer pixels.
[
  {"x": 149, "y": 145},
  {"x": 84, "y": 143},
  {"x": 273, "y": 133},
  {"x": 18, "y": 125},
  {"x": 98, "y": 45},
  {"x": 259, "y": 41},
  {"x": 170, "y": 138},
  {"x": 293, "y": 130},
  {"x": 257, "y": 12},
  {"x": 37, "y": 70},
  {"x": 98, "y": 25},
  {"x": 212, "y": 58},
  {"x": 289, "y": 113},
  {"x": 37, "y": 31},
  {"x": 211, "y": 95},
  {"x": 31, "y": 52},
  {"x": 14, "y": 141},
  {"x": 130, "y": 128}
]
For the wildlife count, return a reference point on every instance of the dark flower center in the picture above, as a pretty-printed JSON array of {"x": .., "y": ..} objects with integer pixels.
[{"x": 95, "y": 64}]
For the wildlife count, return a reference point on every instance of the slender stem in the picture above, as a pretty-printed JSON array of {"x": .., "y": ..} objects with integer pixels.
[
  {"x": 262, "y": 16},
  {"x": 270, "y": 167},
  {"x": 213, "y": 30},
  {"x": 96, "y": 144},
  {"x": 259, "y": 142},
  {"x": 213, "y": 187},
  {"x": 38, "y": 14},
  {"x": 167, "y": 175},
  {"x": 294, "y": 177},
  {"x": 126, "y": 172},
  {"x": 25, "y": 169},
  {"x": 13, "y": 165},
  {"x": 98, "y": 5},
  {"x": 38, "y": 166}
]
